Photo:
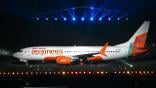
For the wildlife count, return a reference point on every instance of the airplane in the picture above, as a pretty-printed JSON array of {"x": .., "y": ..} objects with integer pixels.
[{"x": 67, "y": 55}]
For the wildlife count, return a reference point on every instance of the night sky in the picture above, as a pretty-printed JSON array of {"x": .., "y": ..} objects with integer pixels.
[{"x": 19, "y": 28}]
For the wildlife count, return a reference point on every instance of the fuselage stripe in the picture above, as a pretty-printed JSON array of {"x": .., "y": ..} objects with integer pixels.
[{"x": 130, "y": 49}]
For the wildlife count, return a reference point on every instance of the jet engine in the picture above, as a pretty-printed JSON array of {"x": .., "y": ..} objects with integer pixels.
[{"x": 63, "y": 60}]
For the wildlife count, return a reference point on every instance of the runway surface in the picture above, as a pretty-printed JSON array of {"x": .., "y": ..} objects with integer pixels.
[{"x": 135, "y": 63}]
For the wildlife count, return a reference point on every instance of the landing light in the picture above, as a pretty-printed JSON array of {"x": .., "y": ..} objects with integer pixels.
[
  {"x": 109, "y": 19},
  {"x": 118, "y": 18},
  {"x": 64, "y": 18},
  {"x": 91, "y": 19},
  {"x": 100, "y": 19},
  {"x": 37, "y": 18},
  {"x": 55, "y": 19},
  {"x": 74, "y": 18},
  {"x": 91, "y": 8},
  {"x": 82, "y": 19},
  {"x": 46, "y": 18}
]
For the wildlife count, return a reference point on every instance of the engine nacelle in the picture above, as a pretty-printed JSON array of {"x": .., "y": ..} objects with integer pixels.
[
  {"x": 49, "y": 59},
  {"x": 63, "y": 60}
]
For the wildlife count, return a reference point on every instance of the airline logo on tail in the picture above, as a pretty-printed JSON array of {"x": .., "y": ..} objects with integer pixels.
[
  {"x": 138, "y": 45},
  {"x": 137, "y": 42}
]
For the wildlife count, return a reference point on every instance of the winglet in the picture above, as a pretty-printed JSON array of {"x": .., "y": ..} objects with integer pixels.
[{"x": 103, "y": 49}]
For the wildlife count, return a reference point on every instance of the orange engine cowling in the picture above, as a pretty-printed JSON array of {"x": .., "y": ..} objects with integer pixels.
[
  {"x": 49, "y": 59},
  {"x": 63, "y": 60}
]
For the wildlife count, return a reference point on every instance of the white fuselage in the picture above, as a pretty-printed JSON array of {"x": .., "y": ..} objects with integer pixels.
[{"x": 39, "y": 53}]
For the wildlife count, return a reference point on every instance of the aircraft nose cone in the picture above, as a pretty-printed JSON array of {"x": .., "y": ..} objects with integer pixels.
[{"x": 15, "y": 55}]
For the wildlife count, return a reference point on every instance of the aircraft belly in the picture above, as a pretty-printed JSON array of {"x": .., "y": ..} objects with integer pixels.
[{"x": 115, "y": 56}]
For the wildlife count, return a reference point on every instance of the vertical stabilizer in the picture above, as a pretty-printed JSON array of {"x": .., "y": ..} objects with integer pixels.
[{"x": 139, "y": 38}]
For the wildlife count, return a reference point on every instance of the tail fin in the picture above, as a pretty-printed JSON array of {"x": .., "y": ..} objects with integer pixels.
[
  {"x": 137, "y": 41},
  {"x": 139, "y": 38}
]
